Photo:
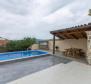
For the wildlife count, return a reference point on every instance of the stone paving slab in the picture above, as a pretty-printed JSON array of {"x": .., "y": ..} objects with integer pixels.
[
  {"x": 70, "y": 73},
  {"x": 12, "y": 71}
]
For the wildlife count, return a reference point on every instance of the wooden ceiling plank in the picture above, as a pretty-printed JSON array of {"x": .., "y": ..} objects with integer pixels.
[
  {"x": 71, "y": 34},
  {"x": 84, "y": 35},
  {"x": 61, "y": 37},
  {"x": 67, "y": 36},
  {"x": 74, "y": 36},
  {"x": 80, "y": 35}
]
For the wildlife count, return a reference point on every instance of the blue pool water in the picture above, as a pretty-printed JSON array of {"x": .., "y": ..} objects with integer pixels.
[{"x": 21, "y": 54}]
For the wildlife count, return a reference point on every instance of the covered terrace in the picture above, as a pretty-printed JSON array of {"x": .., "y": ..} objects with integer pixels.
[{"x": 76, "y": 32}]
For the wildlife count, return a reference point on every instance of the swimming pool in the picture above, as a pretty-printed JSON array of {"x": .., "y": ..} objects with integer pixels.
[{"x": 9, "y": 56}]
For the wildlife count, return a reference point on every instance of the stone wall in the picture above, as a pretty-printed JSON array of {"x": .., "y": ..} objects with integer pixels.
[
  {"x": 89, "y": 46},
  {"x": 35, "y": 46}
]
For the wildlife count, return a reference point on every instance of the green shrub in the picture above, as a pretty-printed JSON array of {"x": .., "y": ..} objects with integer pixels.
[
  {"x": 2, "y": 49},
  {"x": 18, "y": 45}
]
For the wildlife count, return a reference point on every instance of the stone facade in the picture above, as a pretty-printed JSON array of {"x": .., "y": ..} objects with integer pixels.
[
  {"x": 88, "y": 46},
  {"x": 35, "y": 46}
]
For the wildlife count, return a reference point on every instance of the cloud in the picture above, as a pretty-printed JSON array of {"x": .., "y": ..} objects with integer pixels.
[
  {"x": 36, "y": 18},
  {"x": 73, "y": 13}
]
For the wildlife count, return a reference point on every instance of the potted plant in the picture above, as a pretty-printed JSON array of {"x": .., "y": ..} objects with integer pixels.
[{"x": 57, "y": 48}]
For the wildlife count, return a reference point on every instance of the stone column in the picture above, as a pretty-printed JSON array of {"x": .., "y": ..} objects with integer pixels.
[{"x": 88, "y": 46}]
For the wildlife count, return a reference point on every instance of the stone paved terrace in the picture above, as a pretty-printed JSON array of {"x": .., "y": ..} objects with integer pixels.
[
  {"x": 70, "y": 73},
  {"x": 12, "y": 71}
]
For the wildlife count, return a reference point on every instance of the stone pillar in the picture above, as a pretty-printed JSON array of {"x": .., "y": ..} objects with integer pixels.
[{"x": 88, "y": 46}]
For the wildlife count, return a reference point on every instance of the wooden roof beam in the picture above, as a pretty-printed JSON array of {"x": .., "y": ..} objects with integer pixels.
[
  {"x": 84, "y": 35},
  {"x": 60, "y": 37},
  {"x": 74, "y": 36},
  {"x": 66, "y": 36},
  {"x": 80, "y": 35},
  {"x": 72, "y": 32},
  {"x": 69, "y": 36},
  {"x": 82, "y": 28}
]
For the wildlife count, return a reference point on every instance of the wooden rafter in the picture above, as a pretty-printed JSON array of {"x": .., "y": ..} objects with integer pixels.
[
  {"x": 61, "y": 37},
  {"x": 84, "y": 35},
  {"x": 74, "y": 36}
]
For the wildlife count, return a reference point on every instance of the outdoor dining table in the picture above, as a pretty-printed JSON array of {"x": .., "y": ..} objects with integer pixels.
[{"x": 73, "y": 52}]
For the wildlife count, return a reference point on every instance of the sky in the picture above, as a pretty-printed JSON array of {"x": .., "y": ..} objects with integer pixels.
[{"x": 36, "y": 18}]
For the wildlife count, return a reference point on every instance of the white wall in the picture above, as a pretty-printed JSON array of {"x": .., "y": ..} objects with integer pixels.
[{"x": 69, "y": 43}]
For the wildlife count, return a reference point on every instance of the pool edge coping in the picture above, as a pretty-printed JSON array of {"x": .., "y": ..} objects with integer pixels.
[{"x": 23, "y": 58}]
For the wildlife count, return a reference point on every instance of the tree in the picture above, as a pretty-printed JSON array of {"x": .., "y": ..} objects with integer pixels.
[{"x": 18, "y": 45}]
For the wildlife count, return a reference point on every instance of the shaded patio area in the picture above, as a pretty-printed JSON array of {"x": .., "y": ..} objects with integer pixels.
[
  {"x": 81, "y": 60},
  {"x": 74, "y": 41}
]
